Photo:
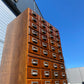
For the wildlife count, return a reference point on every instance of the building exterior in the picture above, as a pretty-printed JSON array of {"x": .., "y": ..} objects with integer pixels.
[
  {"x": 9, "y": 10},
  {"x": 75, "y": 75},
  {"x": 32, "y": 52}
]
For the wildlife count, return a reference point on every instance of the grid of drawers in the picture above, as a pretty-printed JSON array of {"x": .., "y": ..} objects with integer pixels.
[{"x": 45, "y": 61}]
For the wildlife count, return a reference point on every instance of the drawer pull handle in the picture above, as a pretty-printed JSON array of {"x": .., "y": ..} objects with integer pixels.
[
  {"x": 62, "y": 67},
  {"x": 34, "y": 72},
  {"x": 63, "y": 74},
  {"x": 53, "y": 48},
  {"x": 44, "y": 32},
  {"x": 34, "y": 19},
  {"x": 43, "y": 26},
  {"x": 51, "y": 31},
  {"x": 44, "y": 44},
  {"x": 46, "y": 64},
  {"x": 34, "y": 48},
  {"x": 34, "y": 83},
  {"x": 34, "y": 26},
  {"x": 34, "y": 61},
  {"x": 61, "y": 58},
  {"x": 51, "y": 36},
  {"x": 34, "y": 13},
  {"x": 34, "y": 40},
  {"x": 44, "y": 38},
  {"x": 54, "y": 55},
  {"x": 45, "y": 52},
  {"x": 50, "y": 25},
  {"x": 55, "y": 66},
  {"x": 56, "y": 82},
  {"x": 47, "y": 82},
  {"x": 52, "y": 42},
  {"x": 34, "y": 32},
  {"x": 56, "y": 74},
  {"x": 42, "y": 20},
  {"x": 46, "y": 73}
]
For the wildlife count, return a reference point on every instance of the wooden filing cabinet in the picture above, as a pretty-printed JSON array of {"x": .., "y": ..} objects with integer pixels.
[{"x": 32, "y": 52}]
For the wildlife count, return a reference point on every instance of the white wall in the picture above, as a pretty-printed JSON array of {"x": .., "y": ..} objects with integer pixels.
[{"x": 6, "y": 16}]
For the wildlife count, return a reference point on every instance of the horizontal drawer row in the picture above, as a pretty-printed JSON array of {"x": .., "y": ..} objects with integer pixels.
[
  {"x": 34, "y": 73},
  {"x": 46, "y": 81},
  {"x": 46, "y": 53},
  {"x": 40, "y": 21},
  {"x": 43, "y": 37},
  {"x": 45, "y": 44},
  {"x": 44, "y": 64}
]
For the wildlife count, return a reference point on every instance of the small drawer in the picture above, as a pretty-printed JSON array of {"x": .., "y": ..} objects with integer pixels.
[
  {"x": 58, "y": 45},
  {"x": 46, "y": 81},
  {"x": 50, "y": 31},
  {"x": 45, "y": 64},
  {"x": 55, "y": 74},
  {"x": 44, "y": 38},
  {"x": 43, "y": 31},
  {"x": 62, "y": 74},
  {"x": 33, "y": 73},
  {"x": 50, "y": 26},
  {"x": 56, "y": 81},
  {"x": 46, "y": 74},
  {"x": 33, "y": 26},
  {"x": 56, "y": 30},
  {"x": 44, "y": 53},
  {"x": 34, "y": 49},
  {"x": 63, "y": 82},
  {"x": 56, "y": 34},
  {"x": 54, "y": 55},
  {"x": 34, "y": 41},
  {"x": 57, "y": 40},
  {"x": 44, "y": 45},
  {"x": 62, "y": 67},
  {"x": 52, "y": 42},
  {"x": 33, "y": 81},
  {"x": 33, "y": 62},
  {"x": 34, "y": 33},
  {"x": 59, "y": 51},
  {"x": 52, "y": 48},
  {"x": 34, "y": 20},
  {"x": 55, "y": 66}
]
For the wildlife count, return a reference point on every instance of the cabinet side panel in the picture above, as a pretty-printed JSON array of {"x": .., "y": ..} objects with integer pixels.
[{"x": 13, "y": 65}]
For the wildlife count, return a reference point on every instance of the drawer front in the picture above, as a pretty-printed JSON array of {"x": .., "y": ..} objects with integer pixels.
[
  {"x": 55, "y": 74},
  {"x": 57, "y": 39},
  {"x": 34, "y": 26},
  {"x": 61, "y": 67},
  {"x": 62, "y": 74},
  {"x": 33, "y": 81},
  {"x": 52, "y": 42},
  {"x": 44, "y": 53},
  {"x": 59, "y": 51},
  {"x": 54, "y": 55},
  {"x": 56, "y": 34},
  {"x": 58, "y": 45},
  {"x": 34, "y": 40},
  {"x": 55, "y": 66},
  {"x": 63, "y": 82},
  {"x": 33, "y": 73},
  {"x": 44, "y": 45},
  {"x": 47, "y": 81},
  {"x": 53, "y": 48},
  {"x": 50, "y": 26},
  {"x": 34, "y": 20},
  {"x": 43, "y": 31},
  {"x": 34, "y": 33},
  {"x": 51, "y": 36},
  {"x": 33, "y": 62},
  {"x": 56, "y": 81},
  {"x": 50, "y": 31},
  {"x": 46, "y": 74},
  {"x": 44, "y": 38},
  {"x": 34, "y": 49},
  {"x": 45, "y": 64}
]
